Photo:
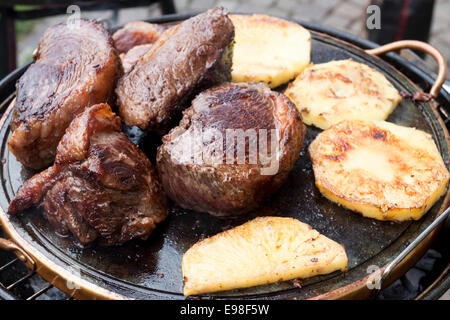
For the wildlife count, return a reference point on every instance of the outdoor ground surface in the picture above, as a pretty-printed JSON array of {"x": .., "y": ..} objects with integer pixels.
[{"x": 347, "y": 15}]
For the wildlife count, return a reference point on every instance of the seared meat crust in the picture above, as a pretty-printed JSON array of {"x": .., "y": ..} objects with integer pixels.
[
  {"x": 75, "y": 67},
  {"x": 197, "y": 175},
  {"x": 101, "y": 184},
  {"x": 191, "y": 56}
]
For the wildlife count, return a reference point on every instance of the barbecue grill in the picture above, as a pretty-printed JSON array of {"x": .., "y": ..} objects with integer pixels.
[{"x": 16, "y": 281}]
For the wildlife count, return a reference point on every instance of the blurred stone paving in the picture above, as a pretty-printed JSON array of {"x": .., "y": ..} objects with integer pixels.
[{"x": 346, "y": 15}]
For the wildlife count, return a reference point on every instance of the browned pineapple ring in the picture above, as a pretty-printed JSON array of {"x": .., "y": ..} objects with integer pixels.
[
  {"x": 268, "y": 49},
  {"x": 380, "y": 169},
  {"x": 328, "y": 93}
]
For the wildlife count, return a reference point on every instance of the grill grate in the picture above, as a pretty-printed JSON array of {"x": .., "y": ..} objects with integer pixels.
[{"x": 19, "y": 283}]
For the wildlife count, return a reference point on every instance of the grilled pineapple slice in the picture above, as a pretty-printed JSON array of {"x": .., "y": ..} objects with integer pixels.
[
  {"x": 380, "y": 169},
  {"x": 261, "y": 251},
  {"x": 328, "y": 93},
  {"x": 268, "y": 49}
]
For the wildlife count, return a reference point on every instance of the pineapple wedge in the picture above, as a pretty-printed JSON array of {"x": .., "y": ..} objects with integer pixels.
[
  {"x": 379, "y": 169},
  {"x": 268, "y": 49},
  {"x": 328, "y": 93},
  {"x": 261, "y": 251}
]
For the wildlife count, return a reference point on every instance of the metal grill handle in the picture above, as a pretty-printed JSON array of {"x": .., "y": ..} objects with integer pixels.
[
  {"x": 19, "y": 252},
  {"x": 418, "y": 45}
]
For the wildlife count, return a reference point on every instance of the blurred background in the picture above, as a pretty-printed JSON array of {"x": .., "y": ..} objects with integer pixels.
[
  {"x": 23, "y": 22},
  {"x": 428, "y": 20}
]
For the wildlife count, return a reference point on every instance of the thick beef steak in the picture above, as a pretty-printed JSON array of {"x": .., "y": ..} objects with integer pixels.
[
  {"x": 234, "y": 147},
  {"x": 194, "y": 54},
  {"x": 76, "y": 66}
]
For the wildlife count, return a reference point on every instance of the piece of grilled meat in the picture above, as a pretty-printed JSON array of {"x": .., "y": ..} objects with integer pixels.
[
  {"x": 133, "y": 55},
  {"x": 136, "y": 33},
  {"x": 76, "y": 67},
  {"x": 101, "y": 185},
  {"x": 195, "y": 54},
  {"x": 202, "y": 163}
]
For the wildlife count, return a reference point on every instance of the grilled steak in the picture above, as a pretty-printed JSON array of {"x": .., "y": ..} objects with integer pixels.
[
  {"x": 203, "y": 164},
  {"x": 76, "y": 66},
  {"x": 194, "y": 55},
  {"x": 101, "y": 184},
  {"x": 136, "y": 33}
]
